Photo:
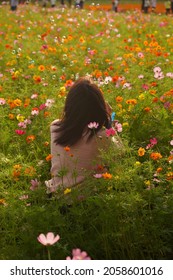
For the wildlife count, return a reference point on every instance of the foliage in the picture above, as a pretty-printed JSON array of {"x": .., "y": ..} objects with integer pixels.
[{"x": 128, "y": 214}]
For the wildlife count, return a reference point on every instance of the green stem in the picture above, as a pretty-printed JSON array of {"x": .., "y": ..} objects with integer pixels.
[{"x": 48, "y": 253}]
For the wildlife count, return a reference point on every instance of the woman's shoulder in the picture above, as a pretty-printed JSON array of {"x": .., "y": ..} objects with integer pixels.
[{"x": 54, "y": 124}]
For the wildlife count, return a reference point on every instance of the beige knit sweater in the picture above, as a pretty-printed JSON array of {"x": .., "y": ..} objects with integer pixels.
[{"x": 70, "y": 167}]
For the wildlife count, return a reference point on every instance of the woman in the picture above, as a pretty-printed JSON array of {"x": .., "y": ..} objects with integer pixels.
[{"x": 76, "y": 139}]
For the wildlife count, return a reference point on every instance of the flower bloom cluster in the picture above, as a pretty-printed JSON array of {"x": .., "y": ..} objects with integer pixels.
[{"x": 50, "y": 239}]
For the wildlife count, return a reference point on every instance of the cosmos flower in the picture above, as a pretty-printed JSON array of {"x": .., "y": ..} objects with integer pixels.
[
  {"x": 20, "y": 132},
  {"x": 77, "y": 254},
  {"x": 93, "y": 125},
  {"x": 48, "y": 239},
  {"x": 110, "y": 132},
  {"x": 34, "y": 184},
  {"x": 2, "y": 101}
]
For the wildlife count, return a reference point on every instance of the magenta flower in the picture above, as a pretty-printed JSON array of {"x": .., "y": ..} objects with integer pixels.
[
  {"x": 20, "y": 132},
  {"x": 42, "y": 106},
  {"x": 144, "y": 86},
  {"x": 110, "y": 132},
  {"x": 77, "y": 254},
  {"x": 153, "y": 141},
  {"x": 93, "y": 125},
  {"x": 48, "y": 239}
]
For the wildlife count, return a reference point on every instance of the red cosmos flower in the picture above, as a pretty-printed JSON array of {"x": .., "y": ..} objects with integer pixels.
[{"x": 20, "y": 132}]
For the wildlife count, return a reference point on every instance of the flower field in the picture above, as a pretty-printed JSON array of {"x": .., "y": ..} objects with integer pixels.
[{"x": 127, "y": 213}]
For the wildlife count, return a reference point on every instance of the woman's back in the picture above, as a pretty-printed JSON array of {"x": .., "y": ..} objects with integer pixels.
[{"x": 70, "y": 165}]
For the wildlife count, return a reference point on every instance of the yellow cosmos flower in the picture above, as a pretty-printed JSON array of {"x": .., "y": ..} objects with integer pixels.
[
  {"x": 20, "y": 118},
  {"x": 66, "y": 191},
  {"x": 141, "y": 152}
]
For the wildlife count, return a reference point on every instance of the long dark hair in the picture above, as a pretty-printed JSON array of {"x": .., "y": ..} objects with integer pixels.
[{"x": 84, "y": 104}]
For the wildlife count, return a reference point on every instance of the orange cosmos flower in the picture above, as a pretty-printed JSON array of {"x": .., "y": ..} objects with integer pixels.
[
  {"x": 27, "y": 102},
  {"x": 30, "y": 171},
  {"x": 131, "y": 101},
  {"x": 67, "y": 148},
  {"x": 2, "y": 201},
  {"x": 169, "y": 176},
  {"x": 30, "y": 138},
  {"x": 153, "y": 84},
  {"x": 147, "y": 109},
  {"x": 17, "y": 102},
  {"x": 49, "y": 157},
  {"x": 37, "y": 79},
  {"x": 41, "y": 68},
  {"x": 155, "y": 156},
  {"x": 31, "y": 66},
  {"x": 69, "y": 83},
  {"x": 106, "y": 175},
  {"x": 46, "y": 143},
  {"x": 11, "y": 116},
  {"x": 159, "y": 169},
  {"x": 119, "y": 99},
  {"x": 141, "y": 152},
  {"x": 155, "y": 99}
]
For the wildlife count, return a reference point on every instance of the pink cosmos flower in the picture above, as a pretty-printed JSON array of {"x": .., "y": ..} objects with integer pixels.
[
  {"x": 140, "y": 55},
  {"x": 49, "y": 102},
  {"x": 27, "y": 121},
  {"x": 141, "y": 76},
  {"x": 91, "y": 52},
  {"x": 157, "y": 69},
  {"x": 118, "y": 126},
  {"x": 48, "y": 239},
  {"x": 171, "y": 142},
  {"x": 35, "y": 111},
  {"x": 170, "y": 75},
  {"x": 77, "y": 254},
  {"x": 93, "y": 125},
  {"x": 23, "y": 197},
  {"x": 127, "y": 85},
  {"x": 2, "y": 101},
  {"x": 34, "y": 184},
  {"x": 20, "y": 132},
  {"x": 34, "y": 96},
  {"x": 22, "y": 124},
  {"x": 97, "y": 176},
  {"x": 159, "y": 75},
  {"x": 110, "y": 132}
]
